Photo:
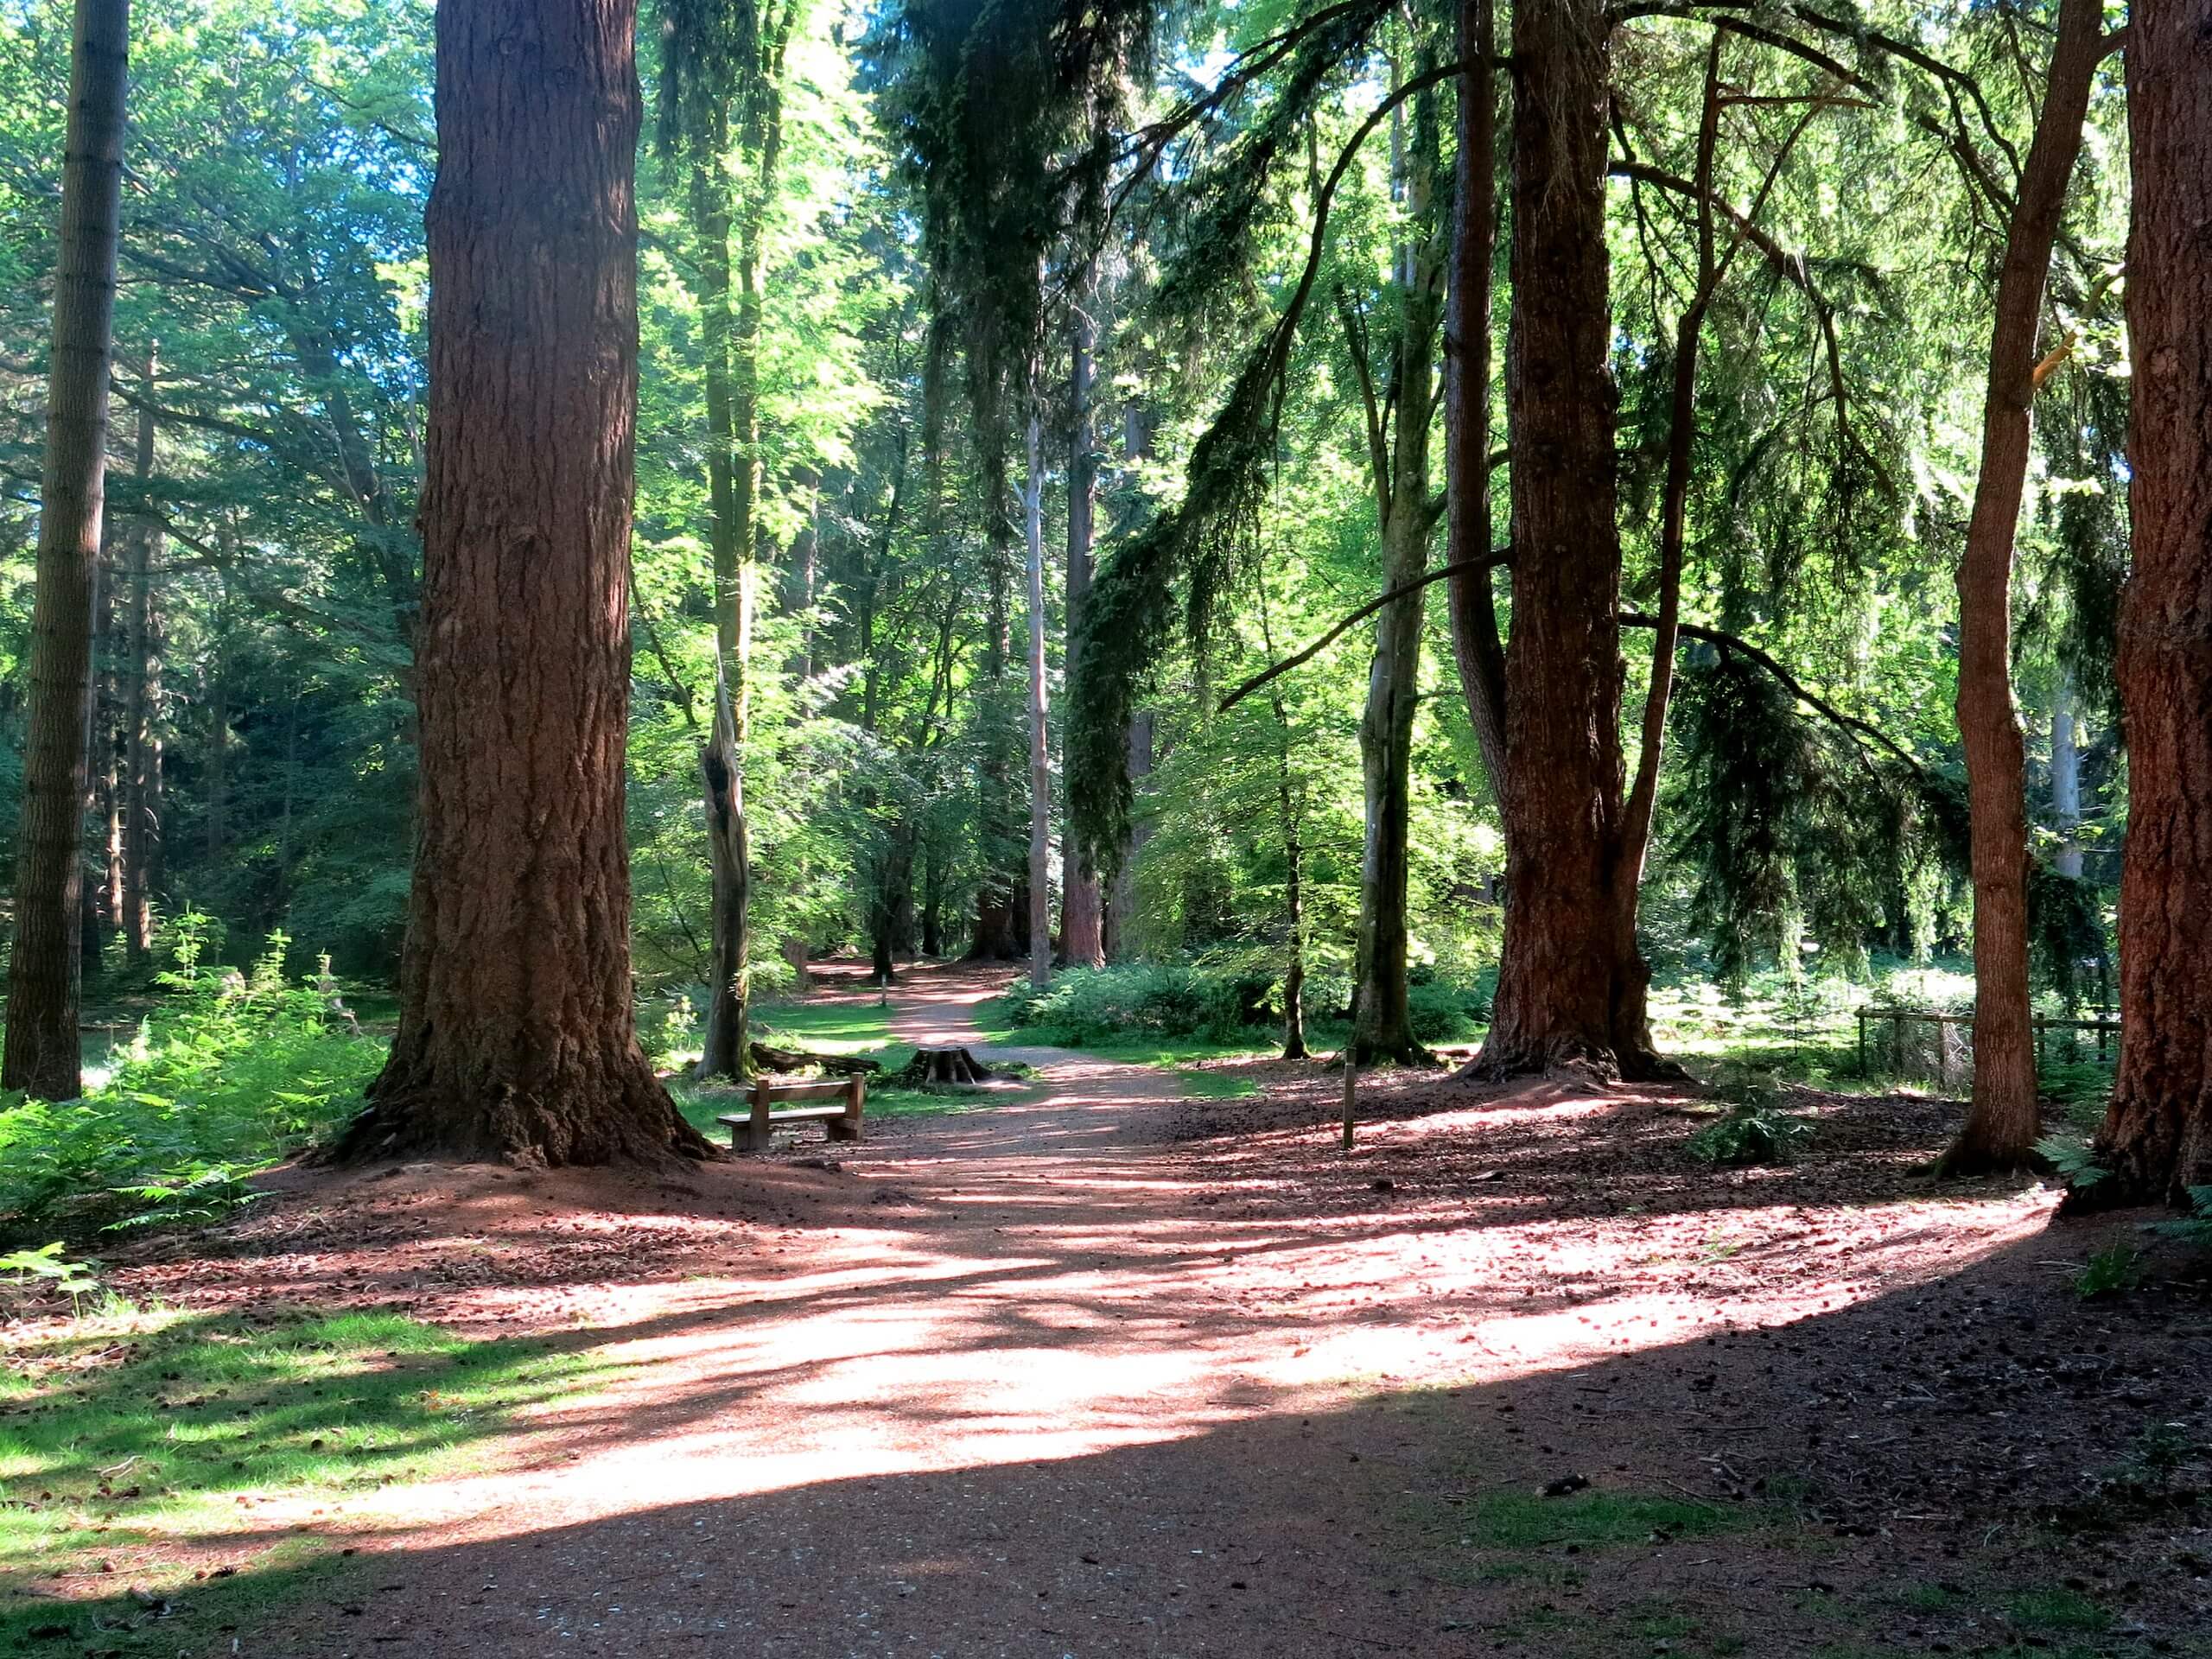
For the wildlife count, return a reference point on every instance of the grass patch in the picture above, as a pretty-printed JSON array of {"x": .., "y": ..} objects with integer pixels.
[
  {"x": 1208, "y": 1084},
  {"x": 2057, "y": 1609},
  {"x": 138, "y": 1447},
  {"x": 1522, "y": 1521}
]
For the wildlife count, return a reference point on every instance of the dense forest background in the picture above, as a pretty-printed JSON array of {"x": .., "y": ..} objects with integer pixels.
[{"x": 1177, "y": 307}]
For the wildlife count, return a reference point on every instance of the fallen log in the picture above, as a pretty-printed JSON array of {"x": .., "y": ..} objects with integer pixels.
[{"x": 768, "y": 1058}]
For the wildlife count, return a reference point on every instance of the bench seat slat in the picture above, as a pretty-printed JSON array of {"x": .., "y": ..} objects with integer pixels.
[
  {"x": 790, "y": 1115},
  {"x": 779, "y": 1092}
]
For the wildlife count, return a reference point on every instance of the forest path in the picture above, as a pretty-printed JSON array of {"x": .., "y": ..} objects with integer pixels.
[
  {"x": 971, "y": 1415},
  {"x": 1099, "y": 1370}
]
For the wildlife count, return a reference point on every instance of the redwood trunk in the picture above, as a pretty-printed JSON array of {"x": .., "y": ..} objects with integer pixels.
[
  {"x": 2002, "y": 1123},
  {"x": 45, "y": 971},
  {"x": 1571, "y": 982},
  {"x": 516, "y": 1035},
  {"x": 2157, "y": 1137}
]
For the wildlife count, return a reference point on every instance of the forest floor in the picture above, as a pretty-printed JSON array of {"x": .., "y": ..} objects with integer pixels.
[{"x": 1105, "y": 1367}]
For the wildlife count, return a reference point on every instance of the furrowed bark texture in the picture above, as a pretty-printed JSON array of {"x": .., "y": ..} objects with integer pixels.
[
  {"x": 2157, "y": 1137},
  {"x": 1571, "y": 982},
  {"x": 45, "y": 971},
  {"x": 516, "y": 1037},
  {"x": 2002, "y": 1123}
]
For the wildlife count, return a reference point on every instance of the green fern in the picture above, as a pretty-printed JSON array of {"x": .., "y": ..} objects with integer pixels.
[{"x": 2072, "y": 1161}]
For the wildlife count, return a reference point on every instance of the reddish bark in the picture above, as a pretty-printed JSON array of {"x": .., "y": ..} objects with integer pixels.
[
  {"x": 516, "y": 1036},
  {"x": 1571, "y": 981},
  {"x": 2157, "y": 1135},
  {"x": 2002, "y": 1123}
]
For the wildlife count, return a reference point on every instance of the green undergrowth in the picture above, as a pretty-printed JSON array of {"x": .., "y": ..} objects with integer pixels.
[
  {"x": 229, "y": 1073},
  {"x": 189, "y": 1457}
]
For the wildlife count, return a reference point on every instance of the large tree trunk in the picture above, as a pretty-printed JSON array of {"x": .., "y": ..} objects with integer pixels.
[
  {"x": 1571, "y": 982},
  {"x": 142, "y": 827},
  {"x": 1082, "y": 941},
  {"x": 2157, "y": 1137},
  {"x": 517, "y": 1033},
  {"x": 1476, "y": 650},
  {"x": 1041, "y": 766},
  {"x": 45, "y": 971},
  {"x": 2002, "y": 1122}
]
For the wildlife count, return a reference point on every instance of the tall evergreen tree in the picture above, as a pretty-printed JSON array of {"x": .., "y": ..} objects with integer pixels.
[
  {"x": 45, "y": 972},
  {"x": 516, "y": 1037},
  {"x": 2157, "y": 1135}
]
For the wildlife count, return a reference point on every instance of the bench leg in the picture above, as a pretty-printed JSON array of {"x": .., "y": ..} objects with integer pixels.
[{"x": 847, "y": 1128}]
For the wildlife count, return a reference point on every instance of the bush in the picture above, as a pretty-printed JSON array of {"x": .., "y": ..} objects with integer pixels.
[
  {"x": 1748, "y": 1134},
  {"x": 1443, "y": 1012},
  {"x": 1088, "y": 1005},
  {"x": 235, "y": 1072}
]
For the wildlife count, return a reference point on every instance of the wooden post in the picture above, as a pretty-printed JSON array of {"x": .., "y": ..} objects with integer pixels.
[
  {"x": 1942, "y": 1055},
  {"x": 1862, "y": 1045},
  {"x": 1352, "y": 1067},
  {"x": 847, "y": 1128},
  {"x": 756, "y": 1132}
]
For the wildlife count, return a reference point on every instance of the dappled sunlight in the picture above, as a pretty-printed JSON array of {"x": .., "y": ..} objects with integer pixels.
[{"x": 1041, "y": 1282}]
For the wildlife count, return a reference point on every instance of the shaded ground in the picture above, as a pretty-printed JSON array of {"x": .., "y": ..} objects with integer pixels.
[{"x": 1103, "y": 1370}]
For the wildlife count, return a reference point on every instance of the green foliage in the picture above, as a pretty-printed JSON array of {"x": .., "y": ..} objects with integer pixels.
[
  {"x": 2066, "y": 929},
  {"x": 232, "y": 1073},
  {"x": 2109, "y": 1272},
  {"x": 2072, "y": 1161},
  {"x": 47, "y": 1265},
  {"x": 1086, "y": 1008},
  {"x": 2196, "y": 1227},
  {"x": 1754, "y": 1130}
]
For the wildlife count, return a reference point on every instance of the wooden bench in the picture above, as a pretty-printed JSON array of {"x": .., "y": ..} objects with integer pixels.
[{"x": 749, "y": 1130}]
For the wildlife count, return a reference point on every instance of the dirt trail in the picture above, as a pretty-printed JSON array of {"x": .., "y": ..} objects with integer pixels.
[{"x": 1080, "y": 1374}]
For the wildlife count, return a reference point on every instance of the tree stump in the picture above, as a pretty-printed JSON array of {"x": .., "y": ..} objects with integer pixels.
[{"x": 941, "y": 1068}]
